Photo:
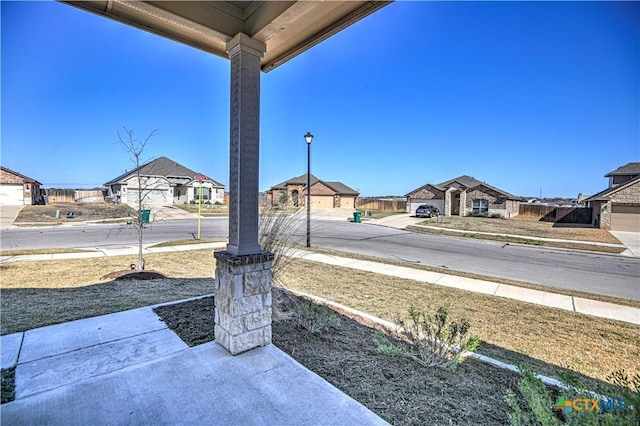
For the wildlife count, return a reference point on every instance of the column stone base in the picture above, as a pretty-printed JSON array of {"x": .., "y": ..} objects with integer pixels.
[{"x": 243, "y": 300}]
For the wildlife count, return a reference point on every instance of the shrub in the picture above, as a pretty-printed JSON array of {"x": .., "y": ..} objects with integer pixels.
[
  {"x": 315, "y": 318},
  {"x": 434, "y": 340},
  {"x": 619, "y": 408},
  {"x": 495, "y": 216},
  {"x": 477, "y": 214}
]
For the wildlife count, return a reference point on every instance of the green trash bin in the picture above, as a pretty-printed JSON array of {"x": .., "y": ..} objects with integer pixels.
[
  {"x": 145, "y": 216},
  {"x": 356, "y": 217}
]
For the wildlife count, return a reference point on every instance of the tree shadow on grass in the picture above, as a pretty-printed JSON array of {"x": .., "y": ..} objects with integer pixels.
[{"x": 22, "y": 309}]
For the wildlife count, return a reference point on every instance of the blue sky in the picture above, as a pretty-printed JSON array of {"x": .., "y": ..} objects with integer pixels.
[{"x": 524, "y": 96}]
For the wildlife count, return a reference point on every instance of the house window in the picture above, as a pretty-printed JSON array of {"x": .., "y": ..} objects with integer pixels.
[
  {"x": 202, "y": 193},
  {"x": 480, "y": 206}
]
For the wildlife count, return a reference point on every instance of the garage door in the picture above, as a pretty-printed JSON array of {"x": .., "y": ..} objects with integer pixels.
[
  {"x": 625, "y": 217},
  {"x": 417, "y": 203},
  {"x": 11, "y": 195},
  {"x": 346, "y": 202},
  {"x": 152, "y": 197},
  {"x": 322, "y": 201}
]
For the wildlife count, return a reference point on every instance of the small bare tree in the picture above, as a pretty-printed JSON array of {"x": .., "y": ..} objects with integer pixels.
[{"x": 135, "y": 148}]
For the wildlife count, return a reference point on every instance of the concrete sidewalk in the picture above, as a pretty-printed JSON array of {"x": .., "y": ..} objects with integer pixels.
[{"x": 129, "y": 368}]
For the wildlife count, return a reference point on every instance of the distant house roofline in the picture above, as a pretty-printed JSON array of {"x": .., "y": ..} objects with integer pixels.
[
  {"x": 628, "y": 169},
  {"x": 26, "y": 178}
]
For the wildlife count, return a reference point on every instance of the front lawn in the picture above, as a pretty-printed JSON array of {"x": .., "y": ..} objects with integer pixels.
[{"x": 525, "y": 227}]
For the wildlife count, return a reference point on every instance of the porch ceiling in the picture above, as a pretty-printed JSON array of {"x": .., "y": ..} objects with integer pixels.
[{"x": 288, "y": 28}]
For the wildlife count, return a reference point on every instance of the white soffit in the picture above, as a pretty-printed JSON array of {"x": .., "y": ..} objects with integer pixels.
[{"x": 288, "y": 28}]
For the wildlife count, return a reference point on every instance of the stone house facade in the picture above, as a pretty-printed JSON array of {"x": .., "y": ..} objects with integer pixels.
[
  {"x": 463, "y": 195},
  {"x": 324, "y": 194},
  {"x": 17, "y": 189},
  {"x": 617, "y": 208},
  {"x": 164, "y": 182}
]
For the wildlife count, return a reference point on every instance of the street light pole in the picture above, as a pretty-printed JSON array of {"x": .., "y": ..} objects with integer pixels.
[
  {"x": 308, "y": 138},
  {"x": 199, "y": 207}
]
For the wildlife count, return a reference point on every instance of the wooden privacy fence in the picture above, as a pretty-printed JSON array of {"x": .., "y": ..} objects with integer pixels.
[
  {"x": 381, "y": 204},
  {"x": 556, "y": 214},
  {"x": 63, "y": 195}
]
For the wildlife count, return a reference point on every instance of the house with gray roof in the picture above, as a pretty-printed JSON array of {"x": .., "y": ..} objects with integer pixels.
[
  {"x": 324, "y": 194},
  {"x": 617, "y": 208},
  {"x": 463, "y": 195},
  {"x": 164, "y": 181}
]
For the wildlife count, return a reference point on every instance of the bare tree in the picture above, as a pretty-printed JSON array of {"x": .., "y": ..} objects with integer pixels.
[{"x": 135, "y": 148}]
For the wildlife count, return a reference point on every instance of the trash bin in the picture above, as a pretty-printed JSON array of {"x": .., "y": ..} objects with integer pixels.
[
  {"x": 356, "y": 217},
  {"x": 57, "y": 214},
  {"x": 144, "y": 216}
]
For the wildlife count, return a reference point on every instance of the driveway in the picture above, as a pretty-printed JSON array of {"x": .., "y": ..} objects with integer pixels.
[
  {"x": 8, "y": 214},
  {"x": 169, "y": 212},
  {"x": 631, "y": 240}
]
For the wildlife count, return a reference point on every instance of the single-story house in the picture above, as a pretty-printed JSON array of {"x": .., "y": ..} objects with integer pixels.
[
  {"x": 324, "y": 194},
  {"x": 617, "y": 208},
  {"x": 164, "y": 182},
  {"x": 462, "y": 195},
  {"x": 17, "y": 189}
]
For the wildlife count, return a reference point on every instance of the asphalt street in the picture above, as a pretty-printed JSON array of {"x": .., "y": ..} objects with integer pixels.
[{"x": 597, "y": 273}]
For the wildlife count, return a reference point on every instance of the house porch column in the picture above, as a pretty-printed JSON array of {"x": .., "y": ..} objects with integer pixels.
[{"x": 243, "y": 271}]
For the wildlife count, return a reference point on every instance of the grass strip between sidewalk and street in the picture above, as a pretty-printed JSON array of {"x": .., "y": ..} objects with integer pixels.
[
  {"x": 41, "y": 293},
  {"x": 601, "y": 298}
]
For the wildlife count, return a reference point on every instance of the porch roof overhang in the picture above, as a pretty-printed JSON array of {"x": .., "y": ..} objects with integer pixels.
[{"x": 288, "y": 28}]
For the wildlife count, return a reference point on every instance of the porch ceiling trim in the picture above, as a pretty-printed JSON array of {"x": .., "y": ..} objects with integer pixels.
[{"x": 288, "y": 28}]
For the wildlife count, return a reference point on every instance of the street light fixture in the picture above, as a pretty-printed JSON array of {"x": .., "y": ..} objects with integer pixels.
[{"x": 308, "y": 138}]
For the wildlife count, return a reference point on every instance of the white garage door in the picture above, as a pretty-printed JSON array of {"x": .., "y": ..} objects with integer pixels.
[
  {"x": 152, "y": 197},
  {"x": 11, "y": 195},
  {"x": 625, "y": 218},
  {"x": 417, "y": 203}
]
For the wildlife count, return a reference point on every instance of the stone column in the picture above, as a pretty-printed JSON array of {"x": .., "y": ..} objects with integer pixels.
[
  {"x": 243, "y": 272},
  {"x": 447, "y": 202},
  {"x": 463, "y": 203},
  {"x": 243, "y": 301}
]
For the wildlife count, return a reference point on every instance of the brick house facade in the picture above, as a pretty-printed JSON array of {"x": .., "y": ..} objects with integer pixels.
[
  {"x": 463, "y": 195},
  {"x": 617, "y": 208},
  {"x": 324, "y": 194},
  {"x": 17, "y": 189}
]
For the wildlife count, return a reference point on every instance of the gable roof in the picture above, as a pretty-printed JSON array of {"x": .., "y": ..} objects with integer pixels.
[
  {"x": 25, "y": 178},
  {"x": 627, "y": 169},
  {"x": 607, "y": 193},
  {"x": 341, "y": 188},
  {"x": 468, "y": 182},
  {"x": 162, "y": 166},
  {"x": 338, "y": 187},
  {"x": 298, "y": 180}
]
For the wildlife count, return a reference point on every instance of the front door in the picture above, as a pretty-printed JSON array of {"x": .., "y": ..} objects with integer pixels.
[{"x": 455, "y": 204}]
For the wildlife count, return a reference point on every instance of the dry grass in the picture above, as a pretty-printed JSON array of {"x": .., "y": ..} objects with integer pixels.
[
  {"x": 207, "y": 210},
  {"x": 57, "y": 274},
  {"x": 48, "y": 292},
  {"x": 190, "y": 242},
  {"x": 592, "y": 296},
  {"x": 524, "y": 226},
  {"x": 545, "y": 338},
  {"x": 27, "y": 252},
  {"x": 81, "y": 212}
]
